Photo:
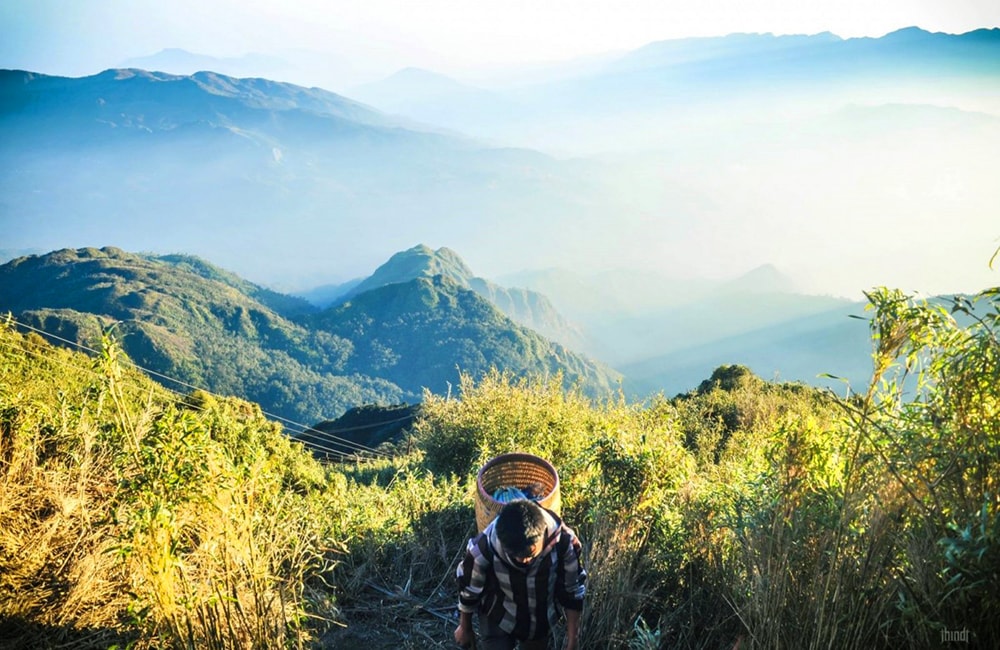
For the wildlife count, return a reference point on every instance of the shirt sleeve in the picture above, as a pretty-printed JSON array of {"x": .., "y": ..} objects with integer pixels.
[
  {"x": 471, "y": 574},
  {"x": 572, "y": 584}
]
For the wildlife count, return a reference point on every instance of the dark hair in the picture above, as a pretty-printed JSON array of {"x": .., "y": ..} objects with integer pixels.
[{"x": 520, "y": 524}]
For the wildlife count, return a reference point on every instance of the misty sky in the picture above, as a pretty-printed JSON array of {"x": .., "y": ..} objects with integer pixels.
[{"x": 76, "y": 38}]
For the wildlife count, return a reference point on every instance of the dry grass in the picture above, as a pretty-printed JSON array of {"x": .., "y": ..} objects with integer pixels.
[
  {"x": 58, "y": 576},
  {"x": 126, "y": 520},
  {"x": 746, "y": 514}
]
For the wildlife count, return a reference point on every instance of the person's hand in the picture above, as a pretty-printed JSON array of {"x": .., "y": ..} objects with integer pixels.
[{"x": 464, "y": 636}]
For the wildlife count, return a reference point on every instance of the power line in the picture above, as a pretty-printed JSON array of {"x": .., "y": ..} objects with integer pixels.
[
  {"x": 319, "y": 435},
  {"x": 326, "y": 436},
  {"x": 183, "y": 399}
]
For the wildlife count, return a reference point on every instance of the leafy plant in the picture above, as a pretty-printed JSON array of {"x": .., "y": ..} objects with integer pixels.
[{"x": 743, "y": 513}]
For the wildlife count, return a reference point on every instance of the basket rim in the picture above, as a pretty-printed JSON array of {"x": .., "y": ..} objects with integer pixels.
[{"x": 515, "y": 456}]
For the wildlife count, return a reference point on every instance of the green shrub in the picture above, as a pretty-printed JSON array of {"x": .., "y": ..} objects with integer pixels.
[{"x": 772, "y": 515}]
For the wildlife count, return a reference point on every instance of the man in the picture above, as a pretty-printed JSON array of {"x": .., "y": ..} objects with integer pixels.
[{"x": 515, "y": 574}]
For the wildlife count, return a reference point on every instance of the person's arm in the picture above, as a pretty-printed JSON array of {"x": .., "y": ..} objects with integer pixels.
[
  {"x": 572, "y": 629},
  {"x": 471, "y": 578},
  {"x": 571, "y": 586},
  {"x": 464, "y": 634}
]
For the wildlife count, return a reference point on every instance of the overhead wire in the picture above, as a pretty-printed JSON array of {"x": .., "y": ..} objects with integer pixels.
[
  {"x": 314, "y": 432},
  {"x": 300, "y": 429},
  {"x": 342, "y": 455},
  {"x": 317, "y": 444},
  {"x": 182, "y": 399}
]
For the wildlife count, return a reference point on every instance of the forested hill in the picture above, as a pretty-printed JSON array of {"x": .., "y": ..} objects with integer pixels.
[
  {"x": 413, "y": 332},
  {"x": 528, "y": 308},
  {"x": 185, "y": 325},
  {"x": 185, "y": 319}
]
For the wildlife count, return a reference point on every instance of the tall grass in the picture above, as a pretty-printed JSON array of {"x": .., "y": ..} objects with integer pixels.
[
  {"x": 128, "y": 518},
  {"x": 618, "y": 464},
  {"x": 874, "y": 530},
  {"x": 55, "y": 568},
  {"x": 772, "y": 515},
  {"x": 743, "y": 514}
]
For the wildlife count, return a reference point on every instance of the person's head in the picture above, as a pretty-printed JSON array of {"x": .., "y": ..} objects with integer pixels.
[{"x": 521, "y": 528}]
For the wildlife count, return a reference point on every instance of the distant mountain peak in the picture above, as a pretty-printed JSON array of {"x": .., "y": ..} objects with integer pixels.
[
  {"x": 145, "y": 100},
  {"x": 420, "y": 261},
  {"x": 912, "y": 29},
  {"x": 423, "y": 263},
  {"x": 823, "y": 52},
  {"x": 765, "y": 278},
  {"x": 181, "y": 61}
]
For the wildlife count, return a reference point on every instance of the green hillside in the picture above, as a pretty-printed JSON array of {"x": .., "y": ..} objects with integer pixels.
[
  {"x": 283, "y": 304},
  {"x": 418, "y": 262},
  {"x": 186, "y": 326},
  {"x": 525, "y": 307},
  {"x": 184, "y": 319},
  {"x": 417, "y": 333}
]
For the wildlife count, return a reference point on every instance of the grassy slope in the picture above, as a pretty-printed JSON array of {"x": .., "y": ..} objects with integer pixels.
[
  {"x": 128, "y": 511},
  {"x": 185, "y": 319},
  {"x": 189, "y": 326},
  {"x": 743, "y": 510}
]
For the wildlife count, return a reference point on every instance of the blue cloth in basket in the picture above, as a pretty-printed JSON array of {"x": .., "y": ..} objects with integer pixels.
[{"x": 508, "y": 494}]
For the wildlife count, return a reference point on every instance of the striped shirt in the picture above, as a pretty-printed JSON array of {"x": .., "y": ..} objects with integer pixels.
[{"x": 522, "y": 600}]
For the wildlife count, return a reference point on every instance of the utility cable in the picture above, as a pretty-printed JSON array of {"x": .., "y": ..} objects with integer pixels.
[
  {"x": 182, "y": 399},
  {"x": 301, "y": 429},
  {"x": 192, "y": 387}
]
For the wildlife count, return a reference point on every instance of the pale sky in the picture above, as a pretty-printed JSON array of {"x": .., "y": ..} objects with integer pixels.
[{"x": 81, "y": 37}]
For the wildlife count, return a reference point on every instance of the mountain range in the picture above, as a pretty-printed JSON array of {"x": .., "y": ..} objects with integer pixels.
[
  {"x": 636, "y": 210},
  {"x": 194, "y": 325},
  {"x": 673, "y": 158},
  {"x": 666, "y": 334},
  {"x": 414, "y": 323},
  {"x": 665, "y": 80},
  {"x": 179, "y": 61},
  {"x": 207, "y": 164},
  {"x": 529, "y": 308},
  {"x": 829, "y": 349}
]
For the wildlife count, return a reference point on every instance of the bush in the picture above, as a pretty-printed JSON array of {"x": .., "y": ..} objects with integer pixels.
[{"x": 770, "y": 515}]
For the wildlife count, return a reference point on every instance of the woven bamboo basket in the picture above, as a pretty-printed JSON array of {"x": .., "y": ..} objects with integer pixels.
[{"x": 514, "y": 470}]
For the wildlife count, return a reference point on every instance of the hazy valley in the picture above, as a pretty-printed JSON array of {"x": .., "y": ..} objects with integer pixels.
[
  {"x": 846, "y": 163},
  {"x": 701, "y": 202}
]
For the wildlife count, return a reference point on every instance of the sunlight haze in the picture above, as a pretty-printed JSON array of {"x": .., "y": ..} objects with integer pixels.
[
  {"x": 78, "y": 38},
  {"x": 842, "y": 187}
]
